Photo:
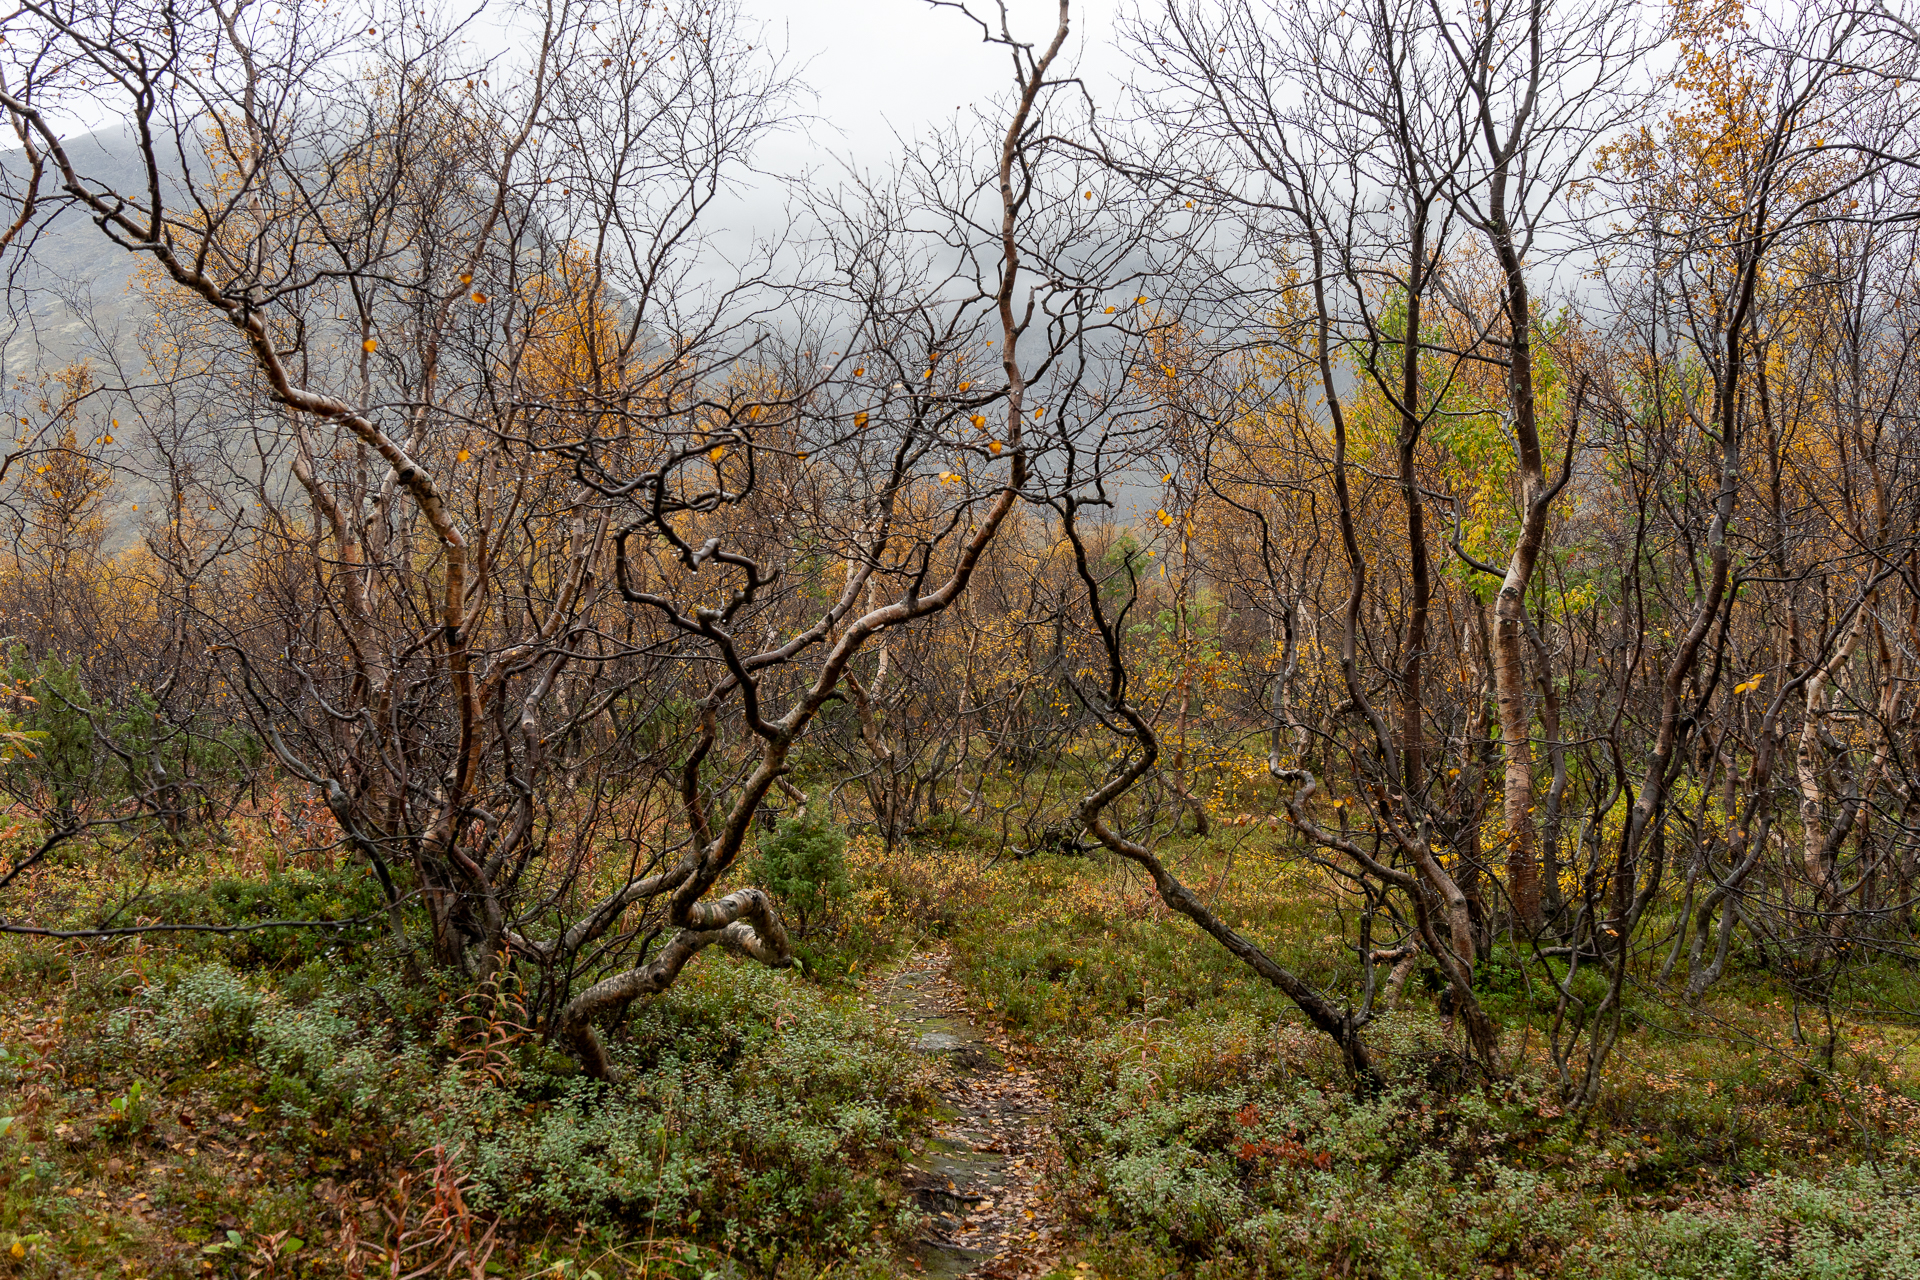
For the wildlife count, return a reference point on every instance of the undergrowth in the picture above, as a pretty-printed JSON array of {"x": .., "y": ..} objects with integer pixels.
[
  {"x": 312, "y": 1103},
  {"x": 1210, "y": 1132},
  {"x": 309, "y": 1103}
]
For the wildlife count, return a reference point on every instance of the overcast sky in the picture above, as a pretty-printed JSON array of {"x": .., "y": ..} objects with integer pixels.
[{"x": 886, "y": 66}]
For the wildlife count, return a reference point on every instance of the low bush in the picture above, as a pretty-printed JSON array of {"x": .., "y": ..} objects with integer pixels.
[
  {"x": 803, "y": 863},
  {"x": 756, "y": 1111},
  {"x": 1238, "y": 1150}
]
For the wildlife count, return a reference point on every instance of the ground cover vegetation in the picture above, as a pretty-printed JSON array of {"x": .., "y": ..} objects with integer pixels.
[{"x": 1364, "y": 591}]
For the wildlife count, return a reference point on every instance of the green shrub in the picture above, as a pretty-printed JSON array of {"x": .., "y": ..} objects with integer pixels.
[
  {"x": 207, "y": 1011},
  {"x": 1851, "y": 1222},
  {"x": 150, "y": 751},
  {"x": 1235, "y": 1149},
  {"x": 72, "y": 754},
  {"x": 60, "y": 771},
  {"x": 315, "y": 1065},
  {"x": 756, "y": 1111},
  {"x": 347, "y": 892},
  {"x": 803, "y": 864},
  {"x": 316, "y": 1059}
]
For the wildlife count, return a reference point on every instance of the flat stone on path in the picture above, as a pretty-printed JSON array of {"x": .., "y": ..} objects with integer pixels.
[{"x": 939, "y": 1042}]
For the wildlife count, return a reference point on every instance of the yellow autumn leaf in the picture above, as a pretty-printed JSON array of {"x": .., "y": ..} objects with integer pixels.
[
  {"x": 980, "y": 421},
  {"x": 860, "y": 372},
  {"x": 1110, "y": 310},
  {"x": 993, "y": 448},
  {"x": 370, "y": 345},
  {"x": 464, "y": 455},
  {"x": 716, "y": 453},
  {"x": 965, "y": 385},
  {"x": 860, "y": 419}
]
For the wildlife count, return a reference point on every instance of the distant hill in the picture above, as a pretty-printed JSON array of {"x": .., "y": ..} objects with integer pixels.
[
  {"x": 71, "y": 269},
  {"x": 72, "y": 298}
]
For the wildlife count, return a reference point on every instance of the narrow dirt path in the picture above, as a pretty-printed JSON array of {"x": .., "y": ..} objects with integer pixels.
[{"x": 984, "y": 1177}]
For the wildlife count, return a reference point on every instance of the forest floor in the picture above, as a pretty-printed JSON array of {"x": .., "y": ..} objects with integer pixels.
[
  {"x": 982, "y": 1175},
  {"x": 985, "y": 1068}
]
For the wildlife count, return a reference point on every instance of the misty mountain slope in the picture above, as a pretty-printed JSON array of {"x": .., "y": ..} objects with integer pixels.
[{"x": 73, "y": 287}]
